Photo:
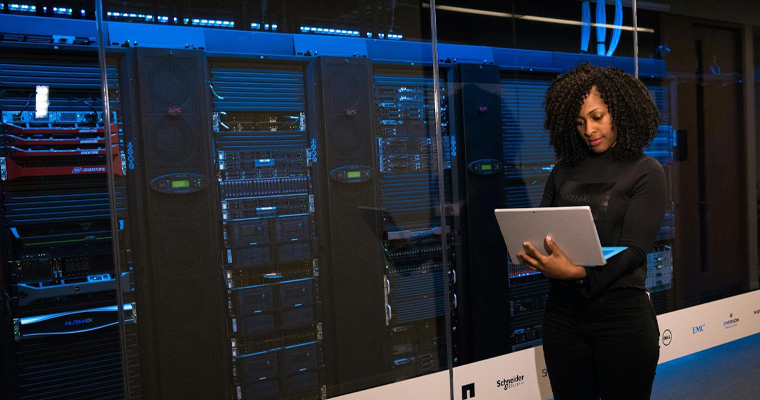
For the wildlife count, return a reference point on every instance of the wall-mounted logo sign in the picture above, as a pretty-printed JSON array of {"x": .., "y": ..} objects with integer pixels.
[
  {"x": 667, "y": 337},
  {"x": 468, "y": 391},
  {"x": 601, "y": 27},
  {"x": 698, "y": 329},
  {"x": 731, "y": 322},
  {"x": 517, "y": 380}
]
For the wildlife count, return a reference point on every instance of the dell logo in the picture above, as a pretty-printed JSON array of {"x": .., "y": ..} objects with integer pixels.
[{"x": 667, "y": 337}]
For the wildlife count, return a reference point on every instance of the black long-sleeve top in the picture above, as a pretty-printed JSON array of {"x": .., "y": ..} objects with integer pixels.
[{"x": 627, "y": 200}]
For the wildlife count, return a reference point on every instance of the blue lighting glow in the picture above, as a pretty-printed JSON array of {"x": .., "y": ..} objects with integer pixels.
[
  {"x": 586, "y": 27},
  {"x": 369, "y": 34},
  {"x": 329, "y": 31},
  {"x": 616, "y": 31},
  {"x": 394, "y": 36},
  {"x": 62, "y": 11},
  {"x": 163, "y": 19},
  {"x": 601, "y": 29},
  {"x": 83, "y": 13},
  {"x": 22, "y": 7},
  {"x": 129, "y": 16},
  {"x": 209, "y": 22},
  {"x": 255, "y": 26}
]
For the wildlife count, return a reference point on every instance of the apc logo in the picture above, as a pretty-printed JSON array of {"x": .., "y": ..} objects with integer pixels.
[
  {"x": 667, "y": 337},
  {"x": 698, "y": 329},
  {"x": 468, "y": 391}
]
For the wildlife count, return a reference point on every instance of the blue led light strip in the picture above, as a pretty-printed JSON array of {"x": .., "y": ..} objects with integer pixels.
[
  {"x": 62, "y": 11},
  {"x": 209, "y": 22},
  {"x": 22, "y": 7},
  {"x": 329, "y": 31},
  {"x": 126, "y": 16}
]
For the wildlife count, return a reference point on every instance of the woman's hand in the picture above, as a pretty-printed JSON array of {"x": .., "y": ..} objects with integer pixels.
[{"x": 555, "y": 265}]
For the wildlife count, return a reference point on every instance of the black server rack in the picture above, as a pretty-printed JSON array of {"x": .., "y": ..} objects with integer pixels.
[
  {"x": 59, "y": 302},
  {"x": 172, "y": 242},
  {"x": 482, "y": 285},
  {"x": 660, "y": 259},
  {"x": 272, "y": 265},
  {"x": 340, "y": 115},
  {"x": 412, "y": 232},
  {"x": 528, "y": 160}
]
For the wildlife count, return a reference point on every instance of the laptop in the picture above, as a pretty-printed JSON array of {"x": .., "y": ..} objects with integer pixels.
[{"x": 572, "y": 228}]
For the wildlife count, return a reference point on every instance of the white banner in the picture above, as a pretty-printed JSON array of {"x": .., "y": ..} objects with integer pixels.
[
  {"x": 697, "y": 328},
  {"x": 522, "y": 375}
]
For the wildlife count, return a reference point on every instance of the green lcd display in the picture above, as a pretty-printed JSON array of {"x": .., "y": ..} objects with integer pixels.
[
  {"x": 180, "y": 184},
  {"x": 485, "y": 167},
  {"x": 353, "y": 174}
]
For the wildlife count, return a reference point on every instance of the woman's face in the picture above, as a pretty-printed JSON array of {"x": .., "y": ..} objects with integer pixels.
[{"x": 594, "y": 123}]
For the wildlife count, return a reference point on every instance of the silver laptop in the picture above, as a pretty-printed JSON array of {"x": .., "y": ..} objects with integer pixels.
[{"x": 572, "y": 228}]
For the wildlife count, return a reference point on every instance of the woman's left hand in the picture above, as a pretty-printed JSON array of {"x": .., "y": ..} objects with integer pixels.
[{"x": 555, "y": 265}]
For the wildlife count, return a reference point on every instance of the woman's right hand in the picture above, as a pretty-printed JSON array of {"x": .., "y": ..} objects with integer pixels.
[{"x": 555, "y": 265}]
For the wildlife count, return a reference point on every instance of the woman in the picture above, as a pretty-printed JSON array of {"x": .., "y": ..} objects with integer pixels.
[{"x": 601, "y": 337}]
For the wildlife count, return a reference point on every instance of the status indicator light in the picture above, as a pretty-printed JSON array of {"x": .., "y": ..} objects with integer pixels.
[{"x": 180, "y": 184}]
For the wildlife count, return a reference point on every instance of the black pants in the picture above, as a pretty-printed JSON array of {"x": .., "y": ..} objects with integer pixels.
[{"x": 606, "y": 346}]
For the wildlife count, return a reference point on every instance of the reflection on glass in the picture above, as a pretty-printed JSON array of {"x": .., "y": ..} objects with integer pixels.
[
  {"x": 58, "y": 274},
  {"x": 277, "y": 186}
]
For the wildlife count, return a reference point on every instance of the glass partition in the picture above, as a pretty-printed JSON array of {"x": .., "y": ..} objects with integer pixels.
[
  {"x": 60, "y": 334},
  {"x": 282, "y": 223},
  {"x": 294, "y": 200}
]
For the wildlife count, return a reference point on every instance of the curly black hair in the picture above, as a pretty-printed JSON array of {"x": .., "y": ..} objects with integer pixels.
[{"x": 634, "y": 115}]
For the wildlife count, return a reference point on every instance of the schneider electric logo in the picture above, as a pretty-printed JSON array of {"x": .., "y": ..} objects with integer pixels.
[
  {"x": 505, "y": 384},
  {"x": 731, "y": 322}
]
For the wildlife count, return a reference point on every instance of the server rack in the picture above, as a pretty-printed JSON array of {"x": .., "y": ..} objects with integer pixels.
[
  {"x": 482, "y": 285},
  {"x": 412, "y": 232},
  {"x": 339, "y": 110},
  {"x": 265, "y": 166},
  {"x": 528, "y": 159},
  {"x": 58, "y": 279},
  {"x": 660, "y": 259},
  {"x": 178, "y": 341}
]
